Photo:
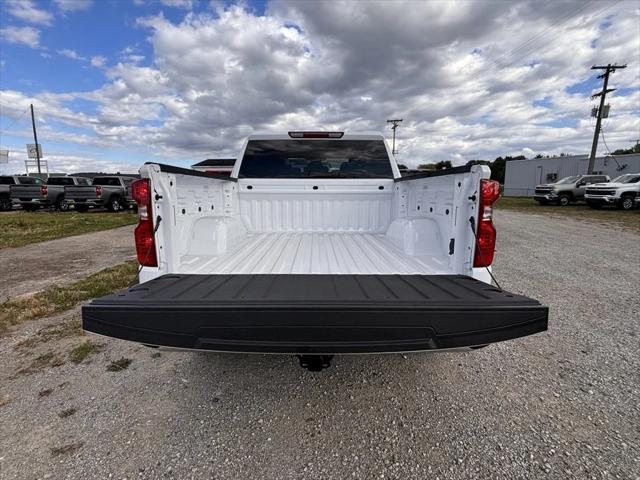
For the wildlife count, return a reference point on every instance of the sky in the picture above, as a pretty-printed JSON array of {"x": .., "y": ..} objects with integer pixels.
[{"x": 116, "y": 83}]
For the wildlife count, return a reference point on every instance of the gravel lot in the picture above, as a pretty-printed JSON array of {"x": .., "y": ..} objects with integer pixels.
[
  {"x": 38, "y": 266},
  {"x": 562, "y": 404}
]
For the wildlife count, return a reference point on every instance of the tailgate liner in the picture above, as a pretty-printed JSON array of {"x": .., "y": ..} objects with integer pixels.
[{"x": 315, "y": 314}]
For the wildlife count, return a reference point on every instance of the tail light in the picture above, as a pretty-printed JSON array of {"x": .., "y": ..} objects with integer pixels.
[
  {"x": 144, "y": 234},
  {"x": 98, "y": 191},
  {"x": 486, "y": 232},
  {"x": 44, "y": 190}
]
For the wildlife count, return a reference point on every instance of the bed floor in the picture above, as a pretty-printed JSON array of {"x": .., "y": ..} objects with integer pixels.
[{"x": 335, "y": 253}]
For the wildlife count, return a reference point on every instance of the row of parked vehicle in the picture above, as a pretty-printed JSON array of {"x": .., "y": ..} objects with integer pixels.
[
  {"x": 596, "y": 190},
  {"x": 112, "y": 192}
]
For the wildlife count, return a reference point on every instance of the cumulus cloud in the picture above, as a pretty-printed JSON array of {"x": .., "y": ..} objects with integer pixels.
[
  {"x": 27, "y": 11},
  {"x": 73, "y": 5},
  {"x": 471, "y": 79},
  {"x": 187, "y": 4},
  {"x": 28, "y": 36},
  {"x": 69, "y": 53},
  {"x": 98, "y": 61}
]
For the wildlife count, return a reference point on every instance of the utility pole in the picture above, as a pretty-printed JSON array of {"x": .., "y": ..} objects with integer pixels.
[
  {"x": 35, "y": 137},
  {"x": 396, "y": 122},
  {"x": 608, "y": 69}
]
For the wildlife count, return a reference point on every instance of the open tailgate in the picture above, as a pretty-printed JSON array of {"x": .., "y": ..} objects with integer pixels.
[{"x": 314, "y": 314}]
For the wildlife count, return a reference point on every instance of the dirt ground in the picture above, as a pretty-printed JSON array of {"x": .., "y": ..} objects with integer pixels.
[
  {"x": 37, "y": 266},
  {"x": 563, "y": 404}
]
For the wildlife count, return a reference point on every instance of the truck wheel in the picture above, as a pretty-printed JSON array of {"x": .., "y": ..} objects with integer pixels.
[
  {"x": 595, "y": 205},
  {"x": 81, "y": 208},
  {"x": 626, "y": 203},
  {"x": 5, "y": 204},
  {"x": 564, "y": 200},
  {"x": 61, "y": 205},
  {"x": 115, "y": 204}
]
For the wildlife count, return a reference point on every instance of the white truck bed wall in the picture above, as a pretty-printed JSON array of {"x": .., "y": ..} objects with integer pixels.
[{"x": 212, "y": 225}]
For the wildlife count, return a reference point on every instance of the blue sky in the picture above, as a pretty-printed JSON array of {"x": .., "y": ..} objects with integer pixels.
[{"x": 119, "y": 82}]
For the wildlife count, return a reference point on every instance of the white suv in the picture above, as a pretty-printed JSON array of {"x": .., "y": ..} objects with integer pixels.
[{"x": 622, "y": 191}]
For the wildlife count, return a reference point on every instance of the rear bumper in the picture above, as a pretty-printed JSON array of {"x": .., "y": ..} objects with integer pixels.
[{"x": 438, "y": 313}]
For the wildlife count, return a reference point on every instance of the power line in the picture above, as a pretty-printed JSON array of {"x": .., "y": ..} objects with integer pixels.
[
  {"x": 542, "y": 33},
  {"x": 527, "y": 51}
]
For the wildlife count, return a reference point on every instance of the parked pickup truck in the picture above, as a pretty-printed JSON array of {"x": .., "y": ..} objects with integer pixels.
[
  {"x": 622, "y": 192},
  {"x": 50, "y": 193},
  {"x": 315, "y": 246},
  {"x": 110, "y": 191},
  {"x": 567, "y": 190},
  {"x": 6, "y": 181}
]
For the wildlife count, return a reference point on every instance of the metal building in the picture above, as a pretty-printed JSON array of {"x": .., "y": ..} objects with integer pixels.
[{"x": 522, "y": 176}]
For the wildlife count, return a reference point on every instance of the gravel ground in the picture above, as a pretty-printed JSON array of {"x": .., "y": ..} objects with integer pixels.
[
  {"x": 37, "y": 266},
  {"x": 561, "y": 404}
]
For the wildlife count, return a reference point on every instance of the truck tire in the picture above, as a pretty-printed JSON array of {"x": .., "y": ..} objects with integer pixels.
[
  {"x": 564, "y": 199},
  {"x": 5, "y": 204},
  {"x": 626, "y": 202},
  {"x": 61, "y": 204},
  {"x": 115, "y": 204},
  {"x": 81, "y": 208},
  {"x": 595, "y": 205}
]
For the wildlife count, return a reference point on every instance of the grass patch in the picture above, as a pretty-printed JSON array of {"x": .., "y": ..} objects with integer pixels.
[
  {"x": 72, "y": 328},
  {"x": 59, "y": 299},
  {"x": 21, "y": 228},
  {"x": 610, "y": 216},
  {"x": 41, "y": 362},
  {"x": 82, "y": 351},
  {"x": 118, "y": 365}
]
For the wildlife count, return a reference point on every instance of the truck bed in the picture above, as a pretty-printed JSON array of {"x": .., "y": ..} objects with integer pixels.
[
  {"x": 303, "y": 253},
  {"x": 315, "y": 314}
]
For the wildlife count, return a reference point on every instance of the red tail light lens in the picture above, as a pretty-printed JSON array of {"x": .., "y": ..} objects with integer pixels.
[
  {"x": 486, "y": 232},
  {"x": 144, "y": 234},
  {"x": 98, "y": 191},
  {"x": 44, "y": 190}
]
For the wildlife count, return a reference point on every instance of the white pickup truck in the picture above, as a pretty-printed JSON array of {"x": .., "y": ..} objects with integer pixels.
[
  {"x": 315, "y": 246},
  {"x": 622, "y": 192}
]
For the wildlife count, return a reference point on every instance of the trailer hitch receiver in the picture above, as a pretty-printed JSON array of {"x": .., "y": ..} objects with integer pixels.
[{"x": 315, "y": 363}]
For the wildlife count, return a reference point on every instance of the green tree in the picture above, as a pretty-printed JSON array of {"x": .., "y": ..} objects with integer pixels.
[
  {"x": 427, "y": 166},
  {"x": 443, "y": 164}
]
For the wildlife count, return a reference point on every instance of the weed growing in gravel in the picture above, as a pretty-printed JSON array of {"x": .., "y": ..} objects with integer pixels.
[
  {"x": 68, "y": 448},
  {"x": 71, "y": 328},
  {"x": 82, "y": 351},
  {"x": 41, "y": 362},
  {"x": 118, "y": 365},
  {"x": 4, "y": 399},
  {"x": 58, "y": 299},
  {"x": 67, "y": 412}
]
